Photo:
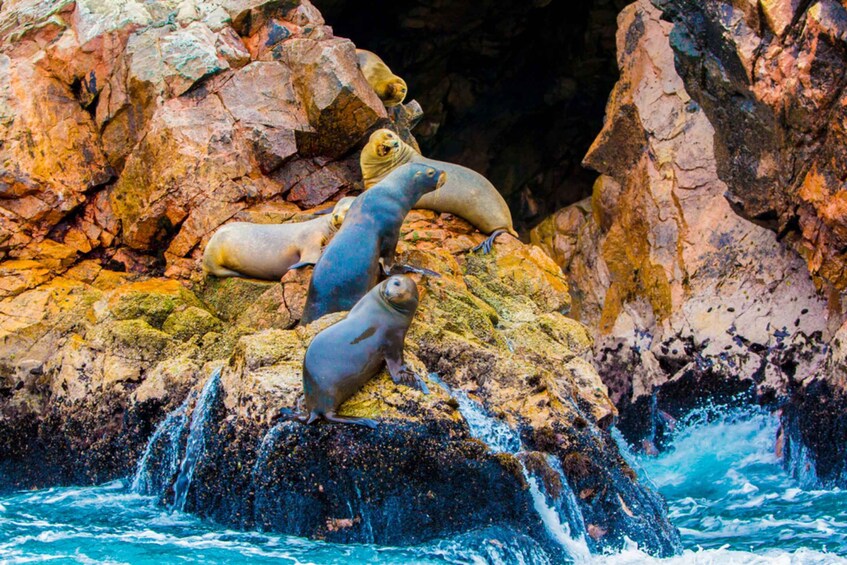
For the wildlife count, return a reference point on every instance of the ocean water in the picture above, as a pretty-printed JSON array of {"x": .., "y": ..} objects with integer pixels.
[{"x": 726, "y": 490}]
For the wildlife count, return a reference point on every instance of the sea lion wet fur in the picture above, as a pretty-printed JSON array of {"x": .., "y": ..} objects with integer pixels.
[
  {"x": 345, "y": 356},
  {"x": 365, "y": 245},
  {"x": 466, "y": 193}
]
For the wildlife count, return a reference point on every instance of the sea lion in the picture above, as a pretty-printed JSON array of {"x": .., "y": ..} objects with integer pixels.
[
  {"x": 350, "y": 264},
  {"x": 346, "y": 355},
  {"x": 268, "y": 251},
  {"x": 466, "y": 194},
  {"x": 390, "y": 88}
]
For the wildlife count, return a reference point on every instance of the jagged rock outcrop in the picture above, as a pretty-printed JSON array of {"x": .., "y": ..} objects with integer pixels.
[
  {"x": 771, "y": 76},
  {"x": 132, "y": 131},
  {"x": 691, "y": 302}
]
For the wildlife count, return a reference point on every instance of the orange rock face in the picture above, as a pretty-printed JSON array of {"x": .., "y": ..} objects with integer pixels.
[
  {"x": 686, "y": 296},
  {"x": 132, "y": 133},
  {"x": 772, "y": 82}
]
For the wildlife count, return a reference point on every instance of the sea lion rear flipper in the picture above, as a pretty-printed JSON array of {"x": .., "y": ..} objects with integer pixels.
[
  {"x": 332, "y": 417},
  {"x": 403, "y": 269},
  {"x": 486, "y": 245}
]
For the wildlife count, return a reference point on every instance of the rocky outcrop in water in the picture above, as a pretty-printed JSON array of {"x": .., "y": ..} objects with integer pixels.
[
  {"x": 132, "y": 131},
  {"x": 691, "y": 302},
  {"x": 771, "y": 78}
]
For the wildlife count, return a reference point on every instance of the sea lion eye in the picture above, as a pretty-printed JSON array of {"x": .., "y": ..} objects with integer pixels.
[
  {"x": 396, "y": 283},
  {"x": 430, "y": 172},
  {"x": 418, "y": 174}
]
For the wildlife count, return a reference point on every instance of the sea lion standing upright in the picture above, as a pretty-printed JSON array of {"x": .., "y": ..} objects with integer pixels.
[
  {"x": 350, "y": 264},
  {"x": 346, "y": 355},
  {"x": 268, "y": 251},
  {"x": 390, "y": 88},
  {"x": 466, "y": 193}
]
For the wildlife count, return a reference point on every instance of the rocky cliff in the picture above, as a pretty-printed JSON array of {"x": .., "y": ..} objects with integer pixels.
[
  {"x": 695, "y": 260},
  {"x": 131, "y": 131}
]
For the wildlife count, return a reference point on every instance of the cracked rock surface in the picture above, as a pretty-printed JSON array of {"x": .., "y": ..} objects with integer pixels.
[{"x": 690, "y": 302}]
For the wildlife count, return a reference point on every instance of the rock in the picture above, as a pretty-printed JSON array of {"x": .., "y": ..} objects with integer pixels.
[
  {"x": 340, "y": 104},
  {"x": 52, "y": 156},
  {"x": 689, "y": 302},
  {"x": 491, "y": 326},
  {"x": 775, "y": 96},
  {"x": 775, "y": 93}
]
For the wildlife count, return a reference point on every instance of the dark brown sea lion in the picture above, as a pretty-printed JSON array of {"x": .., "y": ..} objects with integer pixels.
[
  {"x": 346, "y": 355},
  {"x": 268, "y": 251},
  {"x": 350, "y": 264},
  {"x": 390, "y": 88},
  {"x": 466, "y": 193}
]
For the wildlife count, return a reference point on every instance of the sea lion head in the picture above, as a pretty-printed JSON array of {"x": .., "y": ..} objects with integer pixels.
[
  {"x": 400, "y": 292},
  {"x": 383, "y": 153},
  {"x": 382, "y": 144},
  {"x": 394, "y": 92},
  {"x": 430, "y": 177},
  {"x": 340, "y": 211}
]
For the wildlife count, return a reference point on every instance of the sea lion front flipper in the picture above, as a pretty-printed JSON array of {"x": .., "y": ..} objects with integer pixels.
[
  {"x": 401, "y": 374},
  {"x": 367, "y": 422},
  {"x": 486, "y": 245},
  {"x": 403, "y": 269},
  {"x": 301, "y": 264}
]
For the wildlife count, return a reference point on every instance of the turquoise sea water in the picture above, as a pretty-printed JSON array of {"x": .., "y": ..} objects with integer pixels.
[{"x": 727, "y": 493}]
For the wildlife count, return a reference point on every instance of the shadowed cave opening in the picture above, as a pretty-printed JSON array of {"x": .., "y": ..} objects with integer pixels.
[{"x": 516, "y": 91}]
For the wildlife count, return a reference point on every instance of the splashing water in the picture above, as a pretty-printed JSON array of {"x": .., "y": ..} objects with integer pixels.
[
  {"x": 501, "y": 438},
  {"x": 165, "y": 440},
  {"x": 733, "y": 501},
  {"x": 108, "y": 524},
  {"x": 196, "y": 443}
]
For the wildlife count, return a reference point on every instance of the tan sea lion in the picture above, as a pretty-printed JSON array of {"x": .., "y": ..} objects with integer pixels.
[
  {"x": 346, "y": 355},
  {"x": 390, "y": 88},
  {"x": 466, "y": 193},
  {"x": 365, "y": 245},
  {"x": 268, "y": 251}
]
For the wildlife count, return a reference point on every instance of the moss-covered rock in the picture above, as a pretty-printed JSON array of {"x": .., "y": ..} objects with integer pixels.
[{"x": 192, "y": 321}]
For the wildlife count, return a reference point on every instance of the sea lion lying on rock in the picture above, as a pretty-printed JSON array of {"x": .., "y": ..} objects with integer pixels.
[
  {"x": 268, "y": 251},
  {"x": 346, "y": 355},
  {"x": 390, "y": 88},
  {"x": 350, "y": 264},
  {"x": 466, "y": 193}
]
